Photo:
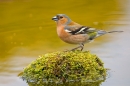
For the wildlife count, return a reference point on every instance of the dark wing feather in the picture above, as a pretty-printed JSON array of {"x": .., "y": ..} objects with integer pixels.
[{"x": 78, "y": 29}]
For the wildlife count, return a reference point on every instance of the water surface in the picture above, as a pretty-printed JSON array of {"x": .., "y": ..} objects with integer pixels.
[{"x": 27, "y": 31}]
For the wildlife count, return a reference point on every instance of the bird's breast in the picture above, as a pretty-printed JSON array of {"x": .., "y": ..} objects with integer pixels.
[
  {"x": 69, "y": 38},
  {"x": 62, "y": 33}
]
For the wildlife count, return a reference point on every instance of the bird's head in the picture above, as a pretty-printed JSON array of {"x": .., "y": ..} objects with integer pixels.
[{"x": 61, "y": 19}]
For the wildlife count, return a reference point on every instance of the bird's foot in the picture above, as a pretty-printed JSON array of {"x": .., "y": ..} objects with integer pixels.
[{"x": 81, "y": 46}]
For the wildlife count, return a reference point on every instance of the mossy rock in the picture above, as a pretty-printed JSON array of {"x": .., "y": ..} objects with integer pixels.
[{"x": 64, "y": 67}]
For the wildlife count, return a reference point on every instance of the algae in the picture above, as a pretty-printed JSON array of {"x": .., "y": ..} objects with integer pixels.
[{"x": 63, "y": 67}]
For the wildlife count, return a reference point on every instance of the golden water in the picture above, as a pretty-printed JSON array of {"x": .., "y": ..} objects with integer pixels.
[{"x": 27, "y": 31}]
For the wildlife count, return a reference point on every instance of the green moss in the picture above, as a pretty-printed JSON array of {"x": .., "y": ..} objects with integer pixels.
[{"x": 60, "y": 67}]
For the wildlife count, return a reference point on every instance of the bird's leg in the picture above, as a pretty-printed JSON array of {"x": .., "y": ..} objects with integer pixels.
[{"x": 80, "y": 46}]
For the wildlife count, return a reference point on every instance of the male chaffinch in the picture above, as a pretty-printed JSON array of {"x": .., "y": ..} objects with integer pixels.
[{"x": 74, "y": 33}]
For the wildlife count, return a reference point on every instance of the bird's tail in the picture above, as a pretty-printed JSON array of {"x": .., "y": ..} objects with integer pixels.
[
  {"x": 113, "y": 31},
  {"x": 102, "y": 32}
]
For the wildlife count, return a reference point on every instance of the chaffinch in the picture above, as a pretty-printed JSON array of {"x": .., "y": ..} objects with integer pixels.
[{"x": 74, "y": 33}]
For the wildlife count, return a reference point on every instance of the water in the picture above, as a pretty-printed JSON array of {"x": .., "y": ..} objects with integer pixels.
[{"x": 27, "y": 31}]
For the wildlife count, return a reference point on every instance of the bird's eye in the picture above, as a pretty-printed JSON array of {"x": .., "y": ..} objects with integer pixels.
[{"x": 61, "y": 17}]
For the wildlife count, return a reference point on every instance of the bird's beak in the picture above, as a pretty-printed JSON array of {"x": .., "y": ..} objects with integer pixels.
[{"x": 55, "y": 18}]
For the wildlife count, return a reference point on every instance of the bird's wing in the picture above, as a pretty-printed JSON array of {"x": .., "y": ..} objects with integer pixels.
[{"x": 79, "y": 29}]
